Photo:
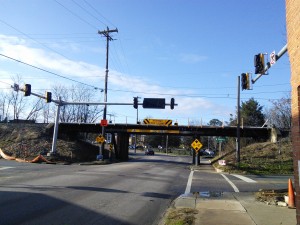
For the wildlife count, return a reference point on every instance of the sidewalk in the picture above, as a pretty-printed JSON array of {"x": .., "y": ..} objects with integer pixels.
[{"x": 234, "y": 209}]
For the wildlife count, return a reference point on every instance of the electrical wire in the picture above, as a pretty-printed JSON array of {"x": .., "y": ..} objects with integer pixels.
[
  {"x": 99, "y": 13},
  {"x": 33, "y": 39},
  {"x": 88, "y": 12},
  {"x": 74, "y": 14},
  {"x": 44, "y": 70},
  {"x": 183, "y": 95}
]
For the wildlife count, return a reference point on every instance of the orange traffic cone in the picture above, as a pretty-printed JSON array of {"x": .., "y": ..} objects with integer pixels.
[{"x": 291, "y": 203}]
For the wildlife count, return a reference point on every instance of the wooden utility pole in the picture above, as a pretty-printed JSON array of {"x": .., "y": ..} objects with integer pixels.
[{"x": 106, "y": 33}]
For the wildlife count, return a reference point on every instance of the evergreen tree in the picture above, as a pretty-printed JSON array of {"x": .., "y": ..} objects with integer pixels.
[{"x": 252, "y": 114}]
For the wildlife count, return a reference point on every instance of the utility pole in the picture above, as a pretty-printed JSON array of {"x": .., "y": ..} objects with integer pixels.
[
  {"x": 238, "y": 136},
  {"x": 105, "y": 33}
]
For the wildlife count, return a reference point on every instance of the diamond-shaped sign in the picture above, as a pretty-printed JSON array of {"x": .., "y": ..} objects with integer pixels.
[
  {"x": 100, "y": 139},
  {"x": 197, "y": 145}
]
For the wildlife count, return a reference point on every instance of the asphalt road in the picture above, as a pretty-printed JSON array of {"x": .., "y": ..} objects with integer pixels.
[{"x": 134, "y": 192}]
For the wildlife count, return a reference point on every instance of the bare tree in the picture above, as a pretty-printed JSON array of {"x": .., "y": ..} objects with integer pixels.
[
  {"x": 16, "y": 99},
  {"x": 280, "y": 113},
  {"x": 46, "y": 113},
  {"x": 77, "y": 113},
  {"x": 4, "y": 105},
  {"x": 35, "y": 110}
]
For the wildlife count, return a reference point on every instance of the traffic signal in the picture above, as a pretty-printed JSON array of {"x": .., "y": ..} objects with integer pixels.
[
  {"x": 245, "y": 81},
  {"x": 172, "y": 103},
  {"x": 27, "y": 89},
  {"x": 48, "y": 97},
  {"x": 259, "y": 63},
  {"x": 135, "y": 102}
]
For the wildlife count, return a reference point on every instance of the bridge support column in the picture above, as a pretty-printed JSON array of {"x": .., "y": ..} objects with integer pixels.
[
  {"x": 194, "y": 158},
  {"x": 122, "y": 146},
  {"x": 274, "y": 135}
]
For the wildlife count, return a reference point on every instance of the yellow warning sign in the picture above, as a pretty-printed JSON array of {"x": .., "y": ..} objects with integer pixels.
[
  {"x": 100, "y": 139},
  {"x": 197, "y": 145},
  {"x": 158, "y": 122}
]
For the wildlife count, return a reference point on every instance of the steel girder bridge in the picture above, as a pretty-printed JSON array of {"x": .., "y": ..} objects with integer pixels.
[{"x": 123, "y": 131}]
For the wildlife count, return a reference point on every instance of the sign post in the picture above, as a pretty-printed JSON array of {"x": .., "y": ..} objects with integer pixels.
[
  {"x": 196, "y": 145},
  {"x": 100, "y": 139}
]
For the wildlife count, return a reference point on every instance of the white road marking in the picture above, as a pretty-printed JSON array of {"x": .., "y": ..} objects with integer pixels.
[
  {"x": 246, "y": 179},
  {"x": 232, "y": 184},
  {"x": 189, "y": 183},
  {"x": 5, "y": 167}
]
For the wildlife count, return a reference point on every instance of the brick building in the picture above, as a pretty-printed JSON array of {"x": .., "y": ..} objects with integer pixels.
[{"x": 293, "y": 39}]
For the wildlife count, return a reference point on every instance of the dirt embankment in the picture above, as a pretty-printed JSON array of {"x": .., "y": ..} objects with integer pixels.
[{"x": 30, "y": 140}]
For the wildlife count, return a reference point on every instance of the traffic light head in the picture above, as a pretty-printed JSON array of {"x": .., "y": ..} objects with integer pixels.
[
  {"x": 135, "y": 102},
  {"x": 245, "y": 81},
  {"x": 48, "y": 97},
  {"x": 259, "y": 63},
  {"x": 27, "y": 90},
  {"x": 172, "y": 103}
]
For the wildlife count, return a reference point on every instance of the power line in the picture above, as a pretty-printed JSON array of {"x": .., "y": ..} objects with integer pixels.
[
  {"x": 88, "y": 12},
  {"x": 184, "y": 95},
  {"x": 74, "y": 14},
  {"x": 19, "y": 61},
  {"x": 33, "y": 39},
  {"x": 99, "y": 13}
]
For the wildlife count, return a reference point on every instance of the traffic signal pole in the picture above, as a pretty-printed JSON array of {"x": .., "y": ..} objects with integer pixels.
[
  {"x": 238, "y": 135},
  {"x": 137, "y": 121}
]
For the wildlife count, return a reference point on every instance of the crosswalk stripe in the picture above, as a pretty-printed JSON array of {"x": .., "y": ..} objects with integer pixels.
[
  {"x": 232, "y": 184},
  {"x": 246, "y": 179},
  {"x": 6, "y": 167},
  {"x": 189, "y": 183}
]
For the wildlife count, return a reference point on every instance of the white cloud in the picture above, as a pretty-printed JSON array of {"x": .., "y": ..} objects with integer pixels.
[{"x": 122, "y": 87}]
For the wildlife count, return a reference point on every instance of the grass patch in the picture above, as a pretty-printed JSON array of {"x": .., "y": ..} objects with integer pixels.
[
  {"x": 260, "y": 159},
  {"x": 183, "y": 216}
]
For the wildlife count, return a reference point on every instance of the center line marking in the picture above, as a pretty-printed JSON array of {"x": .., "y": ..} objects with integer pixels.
[
  {"x": 189, "y": 183},
  {"x": 232, "y": 184}
]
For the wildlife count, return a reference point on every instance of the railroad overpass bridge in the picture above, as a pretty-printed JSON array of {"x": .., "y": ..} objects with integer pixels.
[
  {"x": 229, "y": 131},
  {"x": 123, "y": 131}
]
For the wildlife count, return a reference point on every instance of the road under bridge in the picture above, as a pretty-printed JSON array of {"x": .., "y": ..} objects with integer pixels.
[{"x": 123, "y": 131}]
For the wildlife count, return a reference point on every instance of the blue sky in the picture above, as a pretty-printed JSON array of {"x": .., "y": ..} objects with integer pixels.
[{"x": 191, "y": 50}]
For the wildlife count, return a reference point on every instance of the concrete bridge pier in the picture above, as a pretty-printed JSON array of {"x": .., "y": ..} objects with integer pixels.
[
  {"x": 122, "y": 146},
  {"x": 274, "y": 135}
]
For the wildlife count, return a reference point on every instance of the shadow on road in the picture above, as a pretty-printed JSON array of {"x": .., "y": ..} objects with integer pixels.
[
  {"x": 108, "y": 190},
  {"x": 33, "y": 208}
]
